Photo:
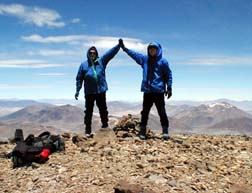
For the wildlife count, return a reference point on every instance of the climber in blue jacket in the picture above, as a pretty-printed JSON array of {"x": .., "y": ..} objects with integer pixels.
[
  {"x": 156, "y": 83},
  {"x": 92, "y": 72}
]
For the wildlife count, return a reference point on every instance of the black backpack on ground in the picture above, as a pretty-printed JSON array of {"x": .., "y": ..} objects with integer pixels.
[{"x": 26, "y": 151}]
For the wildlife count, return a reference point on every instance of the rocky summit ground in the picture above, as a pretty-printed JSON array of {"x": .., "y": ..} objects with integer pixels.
[{"x": 185, "y": 164}]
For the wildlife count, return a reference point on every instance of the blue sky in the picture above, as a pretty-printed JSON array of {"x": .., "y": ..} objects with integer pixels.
[{"x": 208, "y": 44}]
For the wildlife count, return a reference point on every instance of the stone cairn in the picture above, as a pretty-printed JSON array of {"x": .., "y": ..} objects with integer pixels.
[{"x": 129, "y": 127}]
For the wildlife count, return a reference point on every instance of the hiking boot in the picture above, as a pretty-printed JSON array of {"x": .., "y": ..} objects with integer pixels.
[
  {"x": 142, "y": 137},
  {"x": 166, "y": 136},
  {"x": 165, "y": 133},
  {"x": 142, "y": 133},
  {"x": 89, "y": 135},
  {"x": 104, "y": 125},
  {"x": 88, "y": 130}
]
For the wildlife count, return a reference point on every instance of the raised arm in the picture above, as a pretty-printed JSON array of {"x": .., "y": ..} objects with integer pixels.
[
  {"x": 138, "y": 57},
  {"x": 110, "y": 54}
]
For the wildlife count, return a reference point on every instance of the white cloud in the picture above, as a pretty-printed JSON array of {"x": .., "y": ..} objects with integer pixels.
[
  {"x": 216, "y": 60},
  {"x": 26, "y": 64},
  {"x": 75, "y": 20},
  {"x": 34, "y": 15},
  {"x": 51, "y": 74},
  {"x": 54, "y": 39},
  {"x": 53, "y": 53},
  {"x": 19, "y": 62},
  {"x": 103, "y": 42},
  {"x": 22, "y": 86}
]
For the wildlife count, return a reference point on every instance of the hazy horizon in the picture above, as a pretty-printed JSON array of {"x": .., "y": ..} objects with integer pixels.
[{"x": 133, "y": 101}]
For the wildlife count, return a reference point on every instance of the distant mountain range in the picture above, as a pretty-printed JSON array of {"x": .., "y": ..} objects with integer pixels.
[
  {"x": 208, "y": 115},
  {"x": 65, "y": 118},
  {"x": 212, "y": 118},
  {"x": 56, "y": 119},
  {"x": 244, "y": 105},
  {"x": 10, "y": 106},
  {"x": 45, "y": 114},
  {"x": 242, "y": 124},
  {"x": 21, "y": 103}
]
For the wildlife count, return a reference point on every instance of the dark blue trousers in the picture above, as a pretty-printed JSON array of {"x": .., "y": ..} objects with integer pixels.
[
  {"x": 100, "y": 100},
  {"x": 158, "y": 100}
]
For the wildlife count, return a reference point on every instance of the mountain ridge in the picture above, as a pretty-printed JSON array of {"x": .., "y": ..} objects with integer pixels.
[
  {"x": 186, "y": 119},
  {"x": 245, "y": 105}
]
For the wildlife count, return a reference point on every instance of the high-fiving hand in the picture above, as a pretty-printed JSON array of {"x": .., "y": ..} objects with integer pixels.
[{"x": 121, "y": 44}]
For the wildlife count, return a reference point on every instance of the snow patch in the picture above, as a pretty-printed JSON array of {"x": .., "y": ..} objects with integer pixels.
[{"x": 225, "y": 105}]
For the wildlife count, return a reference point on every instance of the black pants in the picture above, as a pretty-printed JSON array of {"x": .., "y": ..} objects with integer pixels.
[
  {"x": 102, "y": 106},
  {"x": 158, "y": 99}
]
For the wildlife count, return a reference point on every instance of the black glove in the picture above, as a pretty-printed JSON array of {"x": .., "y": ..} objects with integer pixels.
[
  {"x": 121, "y": 44},
  {"x": 168, "y": 93},
  {"x": 76, "y": 95}
]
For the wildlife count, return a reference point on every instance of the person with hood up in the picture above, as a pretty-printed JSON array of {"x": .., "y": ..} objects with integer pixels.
[
  {"x": 156, "y": 83},
  {"x": 92, "y": 72}
]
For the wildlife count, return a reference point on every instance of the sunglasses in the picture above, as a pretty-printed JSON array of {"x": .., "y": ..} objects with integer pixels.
[
  {"x": 152, "y": 47},
  {"x": 92, "y": 53}
]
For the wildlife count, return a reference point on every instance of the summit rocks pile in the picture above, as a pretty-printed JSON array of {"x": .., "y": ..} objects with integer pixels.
[
  {"x": 129, "y": 126},
  {"x": 109, "y": 163}
]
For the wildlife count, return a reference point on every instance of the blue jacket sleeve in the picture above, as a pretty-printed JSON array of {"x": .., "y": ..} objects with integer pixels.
[
  {"x": 79, "y": 78},
  {"x": 109, "y": 55},
  {"x": 167, "y": 73},
  {"x": 139, "y": 58}
]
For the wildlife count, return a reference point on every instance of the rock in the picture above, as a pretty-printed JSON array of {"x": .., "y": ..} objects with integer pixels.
[
  {"x": 139, "y": 165},
  {"x": 123, "y": 134},
  {"x": 62, "y": 169},
  {"x": 77, "y": 139},
  {"x": 210, "y": 166},
  {"x": 66, "y": 135},
  {"x": 157, "y": 179},
  {"x": 129, "y": 126},
  {"x": 84, "y": 149},
  {"x": 173, "y": 183},
  {"x": 35, "y": 165},
  {"x": 3, "y": 142},
  {"x": 124, "y": 186},
  {"x": 241, "y": 189}
]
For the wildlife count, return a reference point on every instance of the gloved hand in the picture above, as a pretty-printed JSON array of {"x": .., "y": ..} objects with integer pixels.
[
  {"x": 121, "y": 44},
  {"x": 76, "y": 95},
  {"x": 168, "y": 93}
]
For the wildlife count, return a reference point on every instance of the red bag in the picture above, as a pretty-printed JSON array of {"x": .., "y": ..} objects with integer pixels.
[{"x": 44, "y": 155}]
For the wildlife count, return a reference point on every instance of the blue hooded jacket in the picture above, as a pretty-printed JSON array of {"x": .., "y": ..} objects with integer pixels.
[
  {"x": 156, "y": 71},
  {"x": 93, "y": 74}
]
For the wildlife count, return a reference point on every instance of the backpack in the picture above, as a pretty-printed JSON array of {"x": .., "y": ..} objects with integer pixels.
[{"x": 29, "y": 150}]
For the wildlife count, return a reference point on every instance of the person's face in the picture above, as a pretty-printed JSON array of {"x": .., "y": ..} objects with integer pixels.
[
  {"x": 92, "y": 54},
  {"x": 153, "y": 51}
]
